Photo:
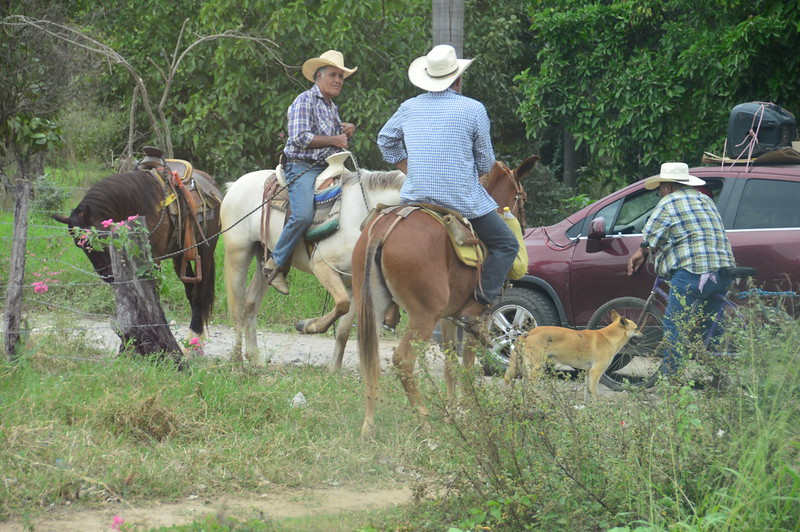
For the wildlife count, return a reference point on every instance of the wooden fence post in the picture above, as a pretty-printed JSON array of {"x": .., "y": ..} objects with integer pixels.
[
  {"x": 140, "y": 319},
  {"x": 16, "y": 274}
]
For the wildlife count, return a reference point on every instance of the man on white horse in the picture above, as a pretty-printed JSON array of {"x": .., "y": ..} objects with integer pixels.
[{"x": 315, "y": 132}]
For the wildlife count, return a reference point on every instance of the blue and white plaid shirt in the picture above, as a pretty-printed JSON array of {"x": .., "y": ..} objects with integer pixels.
[
  {"x": 311, "y": 114},
  {"x": 685, "y": 231},
  {"x": 445, "y": 138}
]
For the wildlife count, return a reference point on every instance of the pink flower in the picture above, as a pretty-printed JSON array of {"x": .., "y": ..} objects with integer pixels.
[
  {"x": 40, "y": 287},
  {"x": 132, "y": 218},
  {"x": 107, "y": 223},
  {"x": 194, "y": 341},
  {"x": 117, "y": 522}
]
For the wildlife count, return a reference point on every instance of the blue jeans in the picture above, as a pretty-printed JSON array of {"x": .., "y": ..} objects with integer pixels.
[
  {"x": 687, "y": 309},
  {"x": 502, "y": 250},
  {"x": 300, "y": 177}
]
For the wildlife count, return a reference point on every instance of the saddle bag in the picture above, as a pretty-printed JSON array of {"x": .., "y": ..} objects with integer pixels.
[{"x": 765, "y": 126}]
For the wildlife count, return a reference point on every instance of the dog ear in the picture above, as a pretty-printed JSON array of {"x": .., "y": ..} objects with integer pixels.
[{"x": 614, "y": 315}]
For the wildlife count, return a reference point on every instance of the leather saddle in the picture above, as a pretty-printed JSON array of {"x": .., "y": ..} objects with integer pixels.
[
  {"x": 190, "y": 200},
  {"x": 469, "y": 249}
]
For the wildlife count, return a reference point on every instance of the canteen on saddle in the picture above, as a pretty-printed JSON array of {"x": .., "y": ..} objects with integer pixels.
[{"x": 335, "y": 169}]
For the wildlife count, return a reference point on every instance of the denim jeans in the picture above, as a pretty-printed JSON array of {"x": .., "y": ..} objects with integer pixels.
[
  {"x": 689, "y": 308},
  {"x": 502, "y": 250},
  {"x": 300, "y": 178}
]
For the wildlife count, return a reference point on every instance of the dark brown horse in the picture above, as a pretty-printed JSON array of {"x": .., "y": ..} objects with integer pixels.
[
  {"x": 119, "y": 196},
  {"x": 416, "y": 267}
]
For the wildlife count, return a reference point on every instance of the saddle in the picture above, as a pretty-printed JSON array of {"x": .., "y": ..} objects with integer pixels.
[
  {"x": 190, "y": 201},
  {"x": 327, "y": 200},
  {"x": 468, "y": 248}
]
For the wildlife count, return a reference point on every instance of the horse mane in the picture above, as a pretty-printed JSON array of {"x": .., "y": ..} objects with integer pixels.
[
  {"x": 121, "y": 195},
  {"x": 375, "y": 179}
]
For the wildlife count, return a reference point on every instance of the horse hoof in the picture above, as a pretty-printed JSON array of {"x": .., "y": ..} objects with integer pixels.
[{"x": 300, "y": 326}]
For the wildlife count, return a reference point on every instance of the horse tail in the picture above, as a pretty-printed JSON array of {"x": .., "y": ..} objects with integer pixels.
[
  {"x": 203, "y": 292},
  {"x": 368, "y": 337}
]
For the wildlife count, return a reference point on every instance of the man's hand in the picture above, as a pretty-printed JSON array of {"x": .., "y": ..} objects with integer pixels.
[
  {"x": 636, "y": 260},
  {"x": 348, "y": 129}
]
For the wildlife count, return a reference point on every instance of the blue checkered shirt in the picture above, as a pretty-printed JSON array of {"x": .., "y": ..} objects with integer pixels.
[
  {"x": 685, "y": 231},
  {"x": 445, "y": 138},
  {"x": 311, "y": 114}
]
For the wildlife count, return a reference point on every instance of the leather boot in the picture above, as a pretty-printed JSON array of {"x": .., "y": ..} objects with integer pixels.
[{"x": 276, "y": 278}]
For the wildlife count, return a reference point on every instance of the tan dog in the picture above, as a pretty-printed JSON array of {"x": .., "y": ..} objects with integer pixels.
[{"x": 589, "y": 350}]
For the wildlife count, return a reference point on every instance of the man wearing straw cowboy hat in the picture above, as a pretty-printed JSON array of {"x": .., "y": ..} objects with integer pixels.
[
  {"x": 688, "y": 244},
  {"x": 441, "y": 140},
  {"x": 315, "y": 132}
]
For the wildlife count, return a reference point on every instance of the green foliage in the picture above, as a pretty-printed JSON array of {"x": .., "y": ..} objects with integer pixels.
[
  {"x": 640, "y": 83},
  {"x": 47, "y": 196},
  {"x": 672, "y": 458}
]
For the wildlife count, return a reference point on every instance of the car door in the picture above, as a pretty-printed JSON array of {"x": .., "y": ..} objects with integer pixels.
[{"x": 763, "y": 223}]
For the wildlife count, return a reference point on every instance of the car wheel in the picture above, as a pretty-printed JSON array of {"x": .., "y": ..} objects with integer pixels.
[{"x": 516, "y": 311}]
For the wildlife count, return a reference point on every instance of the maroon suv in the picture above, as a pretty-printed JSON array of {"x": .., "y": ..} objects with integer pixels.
[{"x": 579, "y": 263}]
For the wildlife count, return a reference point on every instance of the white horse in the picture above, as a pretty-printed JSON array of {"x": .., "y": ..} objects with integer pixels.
[{"x": 329, "y": 261}]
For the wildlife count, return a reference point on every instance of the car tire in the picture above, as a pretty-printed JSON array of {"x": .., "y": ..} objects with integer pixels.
[{"x": 516, "y": 311}]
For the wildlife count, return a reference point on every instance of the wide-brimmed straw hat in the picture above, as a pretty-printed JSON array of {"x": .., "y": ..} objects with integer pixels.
[
  {"x": 329, "y": 58},
  {"x": 673, "y": 173},
  {"x": 438, "y": 70}
]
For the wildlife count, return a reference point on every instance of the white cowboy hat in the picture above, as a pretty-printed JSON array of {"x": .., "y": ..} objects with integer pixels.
[
  {"x": 438, "y": 70},
  {"x": 673, "y": 173},
  {"x": 329, "y": 58}
]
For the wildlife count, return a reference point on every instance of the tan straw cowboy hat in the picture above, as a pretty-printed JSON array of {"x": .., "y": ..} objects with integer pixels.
[
  {"x": 438, "y": 70},
  {"x": 329, "y": 58},
  {"x": 673, "y": 173}
]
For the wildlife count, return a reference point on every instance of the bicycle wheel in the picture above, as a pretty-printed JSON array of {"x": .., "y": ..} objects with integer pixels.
[{"x": 636, "y": 364}]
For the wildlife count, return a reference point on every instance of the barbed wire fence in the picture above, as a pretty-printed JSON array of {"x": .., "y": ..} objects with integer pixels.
[{"x": 46, "y": 293}]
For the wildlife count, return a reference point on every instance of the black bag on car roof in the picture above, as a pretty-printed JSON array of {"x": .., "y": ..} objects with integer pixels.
[{"x": 773, "y": 126}]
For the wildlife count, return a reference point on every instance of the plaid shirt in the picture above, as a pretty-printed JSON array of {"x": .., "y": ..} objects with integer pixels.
[
  {"x": 445, "y": 137},
  {"x": 311, "y": 114},
  {"x": 685, "y": 231}
]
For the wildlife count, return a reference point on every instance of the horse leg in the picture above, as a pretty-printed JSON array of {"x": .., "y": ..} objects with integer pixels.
[
  {"x": 420, "y": 330},
  {"x": 254, "y": 296},
  {"x": 450, "y": 349},
  {"x": 237, "y": 262},
  {"x": 332, "y": 281},
  {"x": 342, "y": 335}
]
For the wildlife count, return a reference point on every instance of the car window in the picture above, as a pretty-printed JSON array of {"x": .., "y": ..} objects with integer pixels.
[
  {"x": 635, "y": 211},
  {"x": 768, "y": 203}
]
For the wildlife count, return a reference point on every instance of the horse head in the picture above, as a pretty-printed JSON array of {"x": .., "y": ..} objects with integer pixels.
[
  {"x": 78, "y": 222},
  {"x": 505, "y": 186}
]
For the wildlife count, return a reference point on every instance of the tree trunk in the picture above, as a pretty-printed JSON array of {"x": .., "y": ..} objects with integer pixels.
[
  {"x": 448, "y": 24},
  {"x": 141, "y": 323},
  {"x": 571, "y": 163},
  {"x": 16, "y": 276}
]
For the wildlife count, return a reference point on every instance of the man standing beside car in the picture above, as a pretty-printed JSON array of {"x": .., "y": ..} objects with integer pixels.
[{"x": 686, "y": 240}]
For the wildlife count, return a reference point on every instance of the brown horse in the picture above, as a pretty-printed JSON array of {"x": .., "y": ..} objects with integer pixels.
[
  {"x": 118, "y": 196},
  {"x": 416, "y": 267}
]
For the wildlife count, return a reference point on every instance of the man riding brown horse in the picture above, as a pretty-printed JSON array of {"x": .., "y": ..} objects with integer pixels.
[{"x": 441, "y": 140}]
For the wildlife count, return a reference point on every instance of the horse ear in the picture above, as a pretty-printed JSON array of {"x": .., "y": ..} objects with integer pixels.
[
  {"x": 61, "y": 218},
  {"x": 83, "y": 216},
  {"x": 526, "y": 166}
]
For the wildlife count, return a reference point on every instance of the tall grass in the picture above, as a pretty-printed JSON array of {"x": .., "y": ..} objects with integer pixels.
[{"x": 675, "y": 458}]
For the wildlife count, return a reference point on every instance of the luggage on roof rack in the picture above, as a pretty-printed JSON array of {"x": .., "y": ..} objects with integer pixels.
[{"x": 755, "y": 128}]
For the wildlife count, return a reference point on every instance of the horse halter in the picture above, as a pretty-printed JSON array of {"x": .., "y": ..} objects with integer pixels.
[{"x": 520, "y": 196}]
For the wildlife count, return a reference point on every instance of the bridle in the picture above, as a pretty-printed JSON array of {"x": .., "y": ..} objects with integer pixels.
[{"x": 520, "y": 196}]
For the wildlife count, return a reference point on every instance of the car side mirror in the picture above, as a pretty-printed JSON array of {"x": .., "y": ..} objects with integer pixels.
[{"x": 597, "y": 232}]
